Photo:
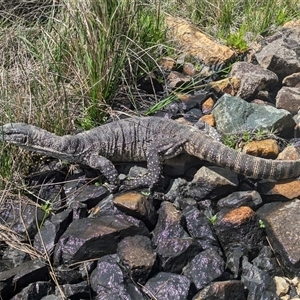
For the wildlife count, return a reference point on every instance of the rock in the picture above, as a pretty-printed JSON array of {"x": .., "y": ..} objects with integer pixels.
[
  {"x": 165, "y": 285},
  {"x": 107, "y": 280},
  {"x": 169, "y": 224},
  {"x": 175, "y": 253},
  {"x": 259, "y": 283},
  {"x": 137, "y": 257},
  {"x": 253, "y": 78},
  {"x": 213, "y": 182},
  {"x": 197, "y": 44},
  {"x": 292, "y": 80},
  {"x": 12, "y": 258},
  {"x": 289, "y": 153},
  {"x": 280, "y": 190},
  {"x": 207, "y": 106},
  {"x": 138, "y": 206},
  {"x": 35, "y": 290},
  {"x": 149, "y": 84},
  {"x": 282, "y": 286},
  {"x": 234, "y": 115},
  {"x": 222, "y": 290},
  {"x": 239, "y": 234},
  {"x": 199, "y": 227},
  {"x": 280, "y": 56},
  {"x": 241, "y": 198},
  {"x": 281, "y": 224},
  {"x": 15, "y": 279},
  {"x": 204, "y": 268},
  {"x": 166, "y": 63},
  {"x": 263, "y": 148},
  {"x": 189, "y": 69},
  {"x": 79, "y": 290},
  {"x": 288, "y": 98},
  {"x": 208, "y": 119},
  {"x": 192, "y": 101},
  {"x": 90, "y": 238},
  {"x": 229, "y": 85},
  {"x": 14, "y": 206},
  {"x": 176, "y": 79}
]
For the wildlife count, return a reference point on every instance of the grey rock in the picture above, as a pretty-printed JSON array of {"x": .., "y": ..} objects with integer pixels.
[
  {"x": 90, "y": 238},
  {"x": 35, "y": 290},
  {"x": 288, "y": 98},
  {"x": 292, "y": 80},
  {"x": 169, "y": 224},
  {"x": 12, "y": 258},
  {"x": 165, "y": 286},
  {"x": 254, "y": 78},
  {"x": 234, "y": 115},
  {"x": 241, "y": 198},
  {"x": 175, "y": 253},
  {"x": 204, "y": 268},
  {"x": 79, "y": 290},
  {"x": 282, "y": 228}
]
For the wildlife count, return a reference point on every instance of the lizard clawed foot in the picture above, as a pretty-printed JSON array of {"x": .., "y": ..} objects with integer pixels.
[{"x": 110, "y": 187}]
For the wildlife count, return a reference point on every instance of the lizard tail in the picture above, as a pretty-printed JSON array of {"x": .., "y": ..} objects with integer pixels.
[{"x": 206, "y": 148}]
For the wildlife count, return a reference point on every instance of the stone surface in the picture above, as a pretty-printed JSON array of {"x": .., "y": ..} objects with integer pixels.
[
  {"x": 234, "y": 115},
  {"x": 165, "y": 285},
  {"x": 288, "y": 98},
  {"x": 204, "y": 268},
  {"x": 197, "y": 44},
  {"x": 90, "y": 238},
  {"x": 263, "y": 148},
  {"x": 35, "y": 290},
  {"x": 292, "y": 80},
  {"x": 230, "y": 85},
  {"x": 254, "y": 78},
  {"x": 222, "y": 290},
  {"x": 282, "y": 228},
  {"x": 137, "y": 257},
  {"x": 289, "y": 153}
]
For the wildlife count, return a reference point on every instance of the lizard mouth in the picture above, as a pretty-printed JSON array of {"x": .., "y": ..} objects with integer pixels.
[{"x": 15, "y": 138}]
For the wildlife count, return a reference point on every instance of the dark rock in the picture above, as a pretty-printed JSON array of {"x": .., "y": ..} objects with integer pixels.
[
  {"x": 90, "y": 238},
  {"x": 138, "y": 206},
  {"x": 204, "y": 268},
  {"x": 167, "y": 286},
  {"x": 176, "y": 189},
  {"x": 79, "y": 290},
  {"x": 137, "y": 256},
  {"x": 105, "y": 207},
  {"x": 199, "y": 227},
  {"x": 253, "y": 78},
  {"x": 107, "y": 280},
  {"x": 35, "y": 290},
  {"x": 259, "y": 283},
  {"x": 13, "y": 280},
  {"x": 13, "y": 257},
  {"x": 282, "y": 227},
  {"x": 65, "y": 275},
  {"x": 241, "y": 198},
  {"x": 222, "y": 290},
  {"x": 239, "y": 234},
  {"x": 234, "y": 115},
  {"x": 47, "y": 237},
  {"x": 91, "y": 195},
  {"x": 51, "y": 297},
  {"x": 169, "y": 225},
  {"x": 14, "y": 206},
  {"x": 149, "y": 84},
  {"x": 175, "y": 253},
  {"x": 212, "y": 182}
]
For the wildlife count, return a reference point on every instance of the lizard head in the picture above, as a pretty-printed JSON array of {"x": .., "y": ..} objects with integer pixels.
[{"x": 14, "y": 133}]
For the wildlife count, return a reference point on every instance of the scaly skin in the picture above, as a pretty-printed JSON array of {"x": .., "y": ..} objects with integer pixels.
[{"x": 148, "y": 139}]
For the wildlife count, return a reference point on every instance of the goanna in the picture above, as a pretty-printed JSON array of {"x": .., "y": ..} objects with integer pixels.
[{"x": 149, "y": 139}]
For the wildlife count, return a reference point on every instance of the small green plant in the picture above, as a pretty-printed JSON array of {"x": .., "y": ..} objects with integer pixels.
[
  {"x": 47, "y": 209},
  {"x": 213, "y": 219},
  {"x": 261, "y": 224}
]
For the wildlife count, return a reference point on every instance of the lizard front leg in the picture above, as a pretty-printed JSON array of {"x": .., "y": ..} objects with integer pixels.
[
  {"x": 107, "y": 168},
  {"x": 155, "y": 156}
]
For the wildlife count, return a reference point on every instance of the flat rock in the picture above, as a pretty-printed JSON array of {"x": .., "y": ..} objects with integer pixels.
[
  {"x": 229, "y": 85},
  {"x": 254, "y": 78},
  {"x": 137, "y": 256},
  {"x": 222, "y": 290},
  {"x": 280, "y": 190},
  {"x": 35, "y": 290},
  {"x": 288, "y": 98},
  {"x": 282, "y": 227},
  {"x": 165, "y": 285},
  {"x": 196, "y": 43},
  {"x": 91, "y": 238},
  {"x": 204, "y": 268},
  {"x": 234, "y": 115},
  {"x": 264, "y": 148}
]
